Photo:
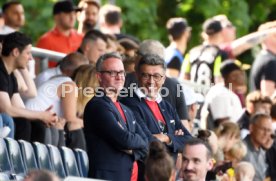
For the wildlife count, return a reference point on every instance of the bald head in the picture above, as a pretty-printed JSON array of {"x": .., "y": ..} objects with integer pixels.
[{"x": 71, "y": 62}]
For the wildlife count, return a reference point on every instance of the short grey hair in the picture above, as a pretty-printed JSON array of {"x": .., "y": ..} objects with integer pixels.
[
  {"x": 151, "y": 47},
  {"x": 106, "y": 56},
  {"x": 150, "y": 59},
  {"x": 259, "y": 116}
]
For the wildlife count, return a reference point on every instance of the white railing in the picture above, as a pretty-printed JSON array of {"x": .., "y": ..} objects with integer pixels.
[{"x": 42, "y": 56}]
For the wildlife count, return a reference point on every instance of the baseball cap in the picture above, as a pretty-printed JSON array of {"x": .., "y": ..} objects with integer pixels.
[
  {"x": 221, "y": 106},
  {"x": 191, "y": 97},
  {"x": 65, "y": 6},
  {"x": 212, "y": 26}
]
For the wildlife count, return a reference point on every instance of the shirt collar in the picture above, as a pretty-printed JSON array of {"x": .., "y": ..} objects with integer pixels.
[
  {"x": 58, "y": 70},
  {"x": 56, "y": 31},
  {"x": 6, "y": 30},
  {"x": 141, "y": 95}
]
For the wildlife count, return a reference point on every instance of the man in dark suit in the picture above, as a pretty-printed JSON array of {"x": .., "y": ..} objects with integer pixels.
[
  {"x": 114, "y": 139},
  {"x": 156, "y": 116}
]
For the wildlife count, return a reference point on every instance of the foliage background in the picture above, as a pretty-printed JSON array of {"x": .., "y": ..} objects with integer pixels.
[{"x": 147, "y": 18}]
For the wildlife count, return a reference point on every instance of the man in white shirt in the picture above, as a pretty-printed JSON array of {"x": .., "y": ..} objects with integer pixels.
[
  {"x": 68, "y": 64},
  {"x": 14, "y": 17}
]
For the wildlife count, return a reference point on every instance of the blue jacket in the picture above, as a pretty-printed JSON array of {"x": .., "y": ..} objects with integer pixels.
[
  {"x": 107, "y": 136},
  {"x": 150, "y": 126}
]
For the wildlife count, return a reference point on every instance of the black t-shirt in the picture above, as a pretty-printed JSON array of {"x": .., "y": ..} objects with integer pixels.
[
  {"x": 175, "y": 63},
  {"x": 263, "y": 68},
  {"x": 175, "y": 97},
  {"x": 8, "y": 82}
]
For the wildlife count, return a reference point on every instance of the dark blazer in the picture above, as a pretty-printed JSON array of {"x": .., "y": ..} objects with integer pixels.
[
  {"x": 150, "y": 126},
  {"x": 107, "y": 136}
]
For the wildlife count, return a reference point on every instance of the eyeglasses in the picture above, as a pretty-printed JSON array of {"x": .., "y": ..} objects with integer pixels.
[
  {"x": 156, "y": 77},
  {"x": 263, "y": 129},
  {"x": 114, "y": 73}
]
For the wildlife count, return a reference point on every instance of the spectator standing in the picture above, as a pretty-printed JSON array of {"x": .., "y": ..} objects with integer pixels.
[
  {"x": 88, "y": 17},
  {"x": 221, "y": 101},
  {"x": 110, "y": 19},
  {"x": 14, "y": 17},
  {"x": 68, "y": 39},
  {"x": 115, "y": 138},
  {"x": 156, "y": 116},
  {"x": 262, "y": 75},
  {"x": 179, "y": 34},
  {"x": 220, "y": 43},
  {"x": 176, "y": 96},
  {"x": 202, "y": 63}
]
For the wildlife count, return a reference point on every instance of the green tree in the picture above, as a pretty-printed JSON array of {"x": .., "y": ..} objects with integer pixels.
[{"x": 147, "y": 19}]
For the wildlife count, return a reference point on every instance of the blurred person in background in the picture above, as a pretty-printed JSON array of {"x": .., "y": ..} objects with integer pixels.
[
  {"x": 85, "y": 79},
  {"x": 244, "y": 171},
  {"x": 110, "y": 19},
  {"x": 93, "y": 45},
  {"x": 179, "y": 33},
  {"x": 221, "y": 101},
  {"x": 157, "y": 156},
  {"x": 88, "y": 17},
  {"x": 14, "y": 17},
  {"x": 64, "y": 14},
  {"x": 65, "y": 67},
  {"x": 255, "y": 102},
  {"x": 40, "y": 175},
  {"x": 260, "y": 135},
  {"x": 228, "y": 134},
  {"x": 263, "y": 74},
  {"x": 219, "y": 35}
]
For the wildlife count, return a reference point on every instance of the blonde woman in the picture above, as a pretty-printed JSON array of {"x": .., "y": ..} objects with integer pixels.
[
  {"x": 64, "y": 94},
  {"x": 85, "y": 79},
  {"x": 228, "y": 134},
  {"x": 236, "y": 153}
]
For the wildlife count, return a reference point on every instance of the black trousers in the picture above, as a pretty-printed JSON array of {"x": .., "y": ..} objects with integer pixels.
[
  {"x": 23, "y": 129},
  {"x": 29, "y": 130}
]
